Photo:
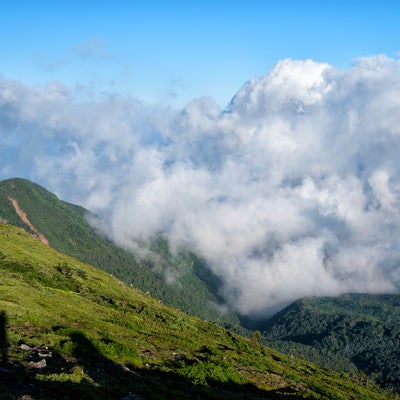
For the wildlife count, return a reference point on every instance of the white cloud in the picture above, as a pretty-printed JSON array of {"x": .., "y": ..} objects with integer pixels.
[
  {"x": 293, "y": 191},
  {"x": 292, "y": 85}
]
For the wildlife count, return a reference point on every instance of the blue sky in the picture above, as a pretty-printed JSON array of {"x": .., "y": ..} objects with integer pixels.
[{"x": 173, "y": 51}]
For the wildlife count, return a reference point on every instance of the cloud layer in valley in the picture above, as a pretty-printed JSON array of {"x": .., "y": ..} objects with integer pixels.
[{"x": 293, "y": 190}]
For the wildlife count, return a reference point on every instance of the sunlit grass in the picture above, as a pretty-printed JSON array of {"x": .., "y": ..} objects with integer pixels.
[{"x": 96, "y": 324}]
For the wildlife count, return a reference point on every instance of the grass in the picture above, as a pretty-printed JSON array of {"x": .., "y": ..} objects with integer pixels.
[{"x": 103, "y": 339}]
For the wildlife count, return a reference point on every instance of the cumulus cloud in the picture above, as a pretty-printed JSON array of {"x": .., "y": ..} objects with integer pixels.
[{"x": 293, "y": 190}]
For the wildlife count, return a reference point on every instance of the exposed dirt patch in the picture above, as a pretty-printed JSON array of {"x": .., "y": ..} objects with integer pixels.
[{"x": 21, "y": 213}]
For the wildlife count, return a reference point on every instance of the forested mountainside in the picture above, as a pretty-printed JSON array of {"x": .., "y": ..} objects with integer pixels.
[
  {"x": 65, "y": 228},
  {"x": 68, "y": 329},
  {"x": 350, "y": 332}
]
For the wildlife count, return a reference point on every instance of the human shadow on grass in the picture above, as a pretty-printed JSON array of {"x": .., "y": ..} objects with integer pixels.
[{"x": 3, "y": 339}]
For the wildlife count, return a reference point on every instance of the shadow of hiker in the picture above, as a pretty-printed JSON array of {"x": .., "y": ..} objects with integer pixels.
[
  {"x": 88, "y": 355},
  {"x": 3, "y": 339},
  {"x": 105, "y": 372}
]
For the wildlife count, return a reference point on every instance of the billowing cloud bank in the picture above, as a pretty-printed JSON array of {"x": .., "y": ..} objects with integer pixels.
[{"x": 292, "y": 191}]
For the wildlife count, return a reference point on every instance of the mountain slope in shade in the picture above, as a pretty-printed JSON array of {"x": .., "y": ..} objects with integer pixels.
[
  {"x": 354, "y": 331},
  {"x": 64, "y": 227},
  {"x": 71, "y": 331}
]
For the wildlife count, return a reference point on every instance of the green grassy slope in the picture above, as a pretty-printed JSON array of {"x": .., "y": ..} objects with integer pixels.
[
  {"x": 65, "y": 227},
  {"x": 352, "y": 331},
  {"x": 69, "y": 330}
]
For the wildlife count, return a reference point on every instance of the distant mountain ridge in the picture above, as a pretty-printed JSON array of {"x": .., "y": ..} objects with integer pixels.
[
  {"x": 65, "y": 228},
  {"x": 349, "y": 332}
]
